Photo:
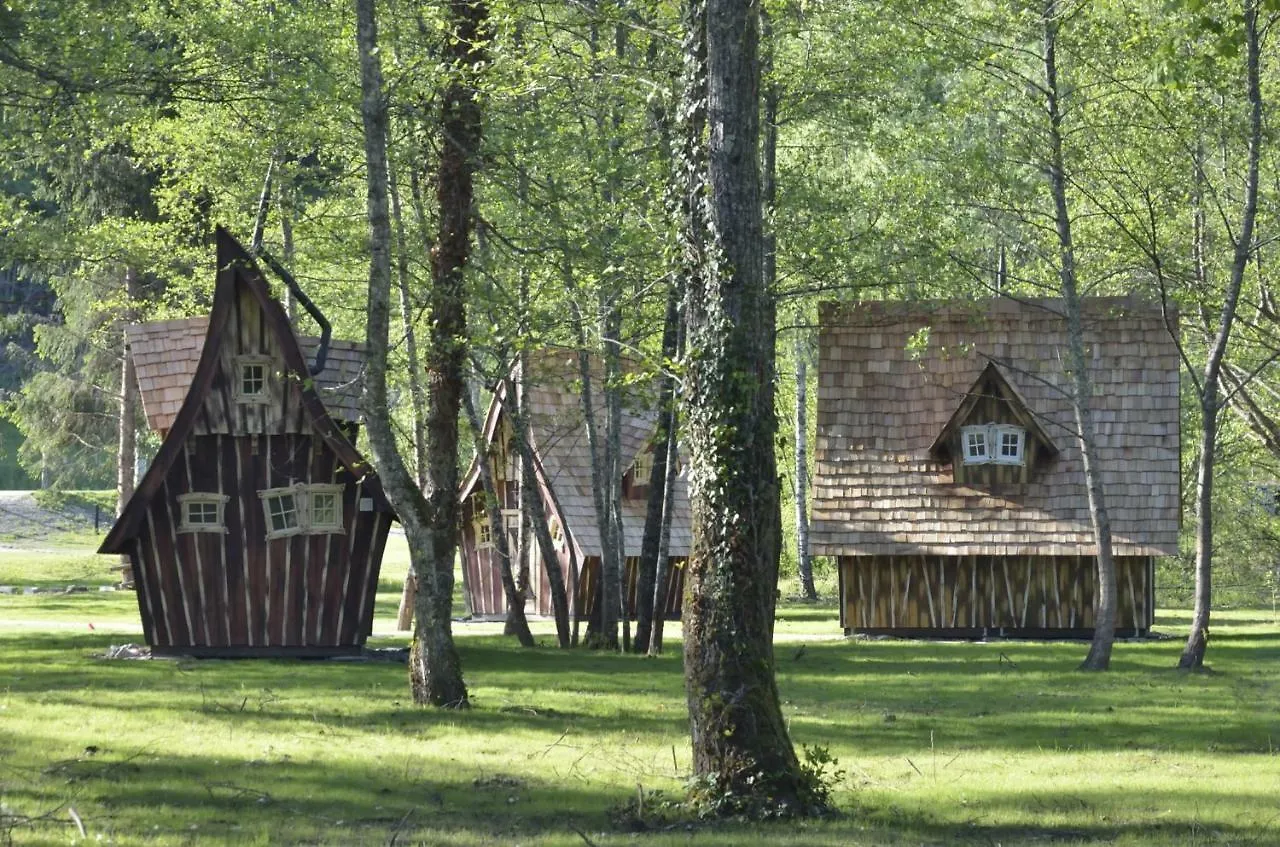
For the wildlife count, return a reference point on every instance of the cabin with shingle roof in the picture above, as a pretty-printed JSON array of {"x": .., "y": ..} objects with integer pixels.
[
  {"x": 258, "y": 530},
  {"x": 949, "y": 482},
  {"x": 563, "y": 470}
]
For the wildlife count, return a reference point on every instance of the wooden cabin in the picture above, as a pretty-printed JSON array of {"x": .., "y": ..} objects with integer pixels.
[
  {"x": 949, "y": 481},
  {"x": 563, "y": 470},
  {"x": 258, "y": 530}
]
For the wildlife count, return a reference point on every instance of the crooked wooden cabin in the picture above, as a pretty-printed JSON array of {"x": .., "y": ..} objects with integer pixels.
[
  {"x": 949, "y": 480},
  {"x": 258, "y": 530},
  {"x": 563, "y": 469}
]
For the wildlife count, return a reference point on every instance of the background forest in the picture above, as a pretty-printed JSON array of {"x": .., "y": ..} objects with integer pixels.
[{"x": 910, "y": 151}]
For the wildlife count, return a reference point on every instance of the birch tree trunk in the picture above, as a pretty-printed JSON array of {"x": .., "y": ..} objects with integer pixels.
[
  {"x": 804, "y": 564},
  {"x": 743, "y": 760},
  {"x": 430, "y": 521},
  {"x": 1210, "y": 387},
  {"x": 517, "y": 623},
  {"x": 404, "y": 615},
  {"x": 127, "y": 433},
  {"x": 1099, "y": 656}
]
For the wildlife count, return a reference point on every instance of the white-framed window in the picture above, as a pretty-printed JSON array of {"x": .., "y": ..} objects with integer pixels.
[
  {"x": 484, "y": 532},
  {"x": 280, "y": 505},
  {"x": 252, "y": 378},
  {"x": 303, "y": 509},
  {"x": 975, "y": 445},
  {"x": 642, "y": 468},
  {"x": 557, "y": 532},
  {"x": 202, "y": 511},
  {"x": 511, "y": 519},
  {"x": 324, "y": 507},
  {"x": 993, "y": 443}
]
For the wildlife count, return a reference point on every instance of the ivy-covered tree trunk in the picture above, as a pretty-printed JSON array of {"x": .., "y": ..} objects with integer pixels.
[
  {"x": 127, "y": 440},
  {"x": 430, "y": 521},
  {"x": 743, "y": 759}
]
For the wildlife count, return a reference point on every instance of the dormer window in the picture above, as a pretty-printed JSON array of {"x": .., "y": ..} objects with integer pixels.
[
  {"x": 1000, "y": 444},
  {"x": 252, "y": 375}
]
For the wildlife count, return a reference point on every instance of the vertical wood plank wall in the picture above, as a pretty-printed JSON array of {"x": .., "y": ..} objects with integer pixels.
[
  {"x": 972, "y": 594},
  {"x": 236, "y": 589}
]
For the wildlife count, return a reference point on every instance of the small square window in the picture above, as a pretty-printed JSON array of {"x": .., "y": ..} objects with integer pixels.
[
  {"x": 201, "y": 511},
  {"x": 252, "y": 379},
  {"x": 325, "y": 509},
  {"x": 975, "y": 445},
  {"x": 282, "y": 511}
]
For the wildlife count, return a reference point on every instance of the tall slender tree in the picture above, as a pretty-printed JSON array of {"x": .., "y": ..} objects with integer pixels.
[{"x": 430, "y": 517}]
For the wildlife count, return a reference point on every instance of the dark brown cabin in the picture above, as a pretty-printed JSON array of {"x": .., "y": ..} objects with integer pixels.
[
  {"x": 563, "y": 471},
  {"x": 258, "y": 530},
  {"x": 949, "y": 479}
]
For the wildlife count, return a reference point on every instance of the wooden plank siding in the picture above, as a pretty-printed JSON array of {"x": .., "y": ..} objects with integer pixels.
[
  {"x": 203, "y": 591},
  {"x": 974, "y": 596}
]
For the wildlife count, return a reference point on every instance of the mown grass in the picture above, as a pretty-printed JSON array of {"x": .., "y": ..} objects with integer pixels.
[{"x": 942, "y": 743}]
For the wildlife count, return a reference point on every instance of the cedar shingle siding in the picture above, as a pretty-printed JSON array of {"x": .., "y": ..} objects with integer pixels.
[{"x": 892, "y": 377}]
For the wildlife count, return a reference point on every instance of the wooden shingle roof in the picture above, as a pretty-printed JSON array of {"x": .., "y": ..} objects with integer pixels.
[
  {"x": 165, "y": 355},
  {"x": 884, "y": 395},
  {"x": 559, "y": 436}
]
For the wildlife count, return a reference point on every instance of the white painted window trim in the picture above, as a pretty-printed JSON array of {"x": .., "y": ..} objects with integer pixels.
[
  {"x": 642, "y": 468},
  {"x": 185, "y": 501},
  {"x": 337, "y": 525},
  {"x": 237, "y": 386},
  {"x": 267, "y": 495},
  {"x": 999, "y": 431},
  {"x": 992, "y": 435},
  {"x": 484, "y": 532},
  {"x": 305, "y": 523}
]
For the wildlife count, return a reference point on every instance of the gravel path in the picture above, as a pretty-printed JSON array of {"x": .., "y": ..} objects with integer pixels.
[{"x": 24, "y": 524}]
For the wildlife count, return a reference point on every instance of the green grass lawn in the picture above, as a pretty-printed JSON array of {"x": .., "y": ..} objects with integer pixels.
[{"x": 941, "y": 743}]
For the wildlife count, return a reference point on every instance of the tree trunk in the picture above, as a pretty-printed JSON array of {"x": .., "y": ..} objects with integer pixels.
[
  {"x": 661, "y": 573},
  {"x": 430, "y": 521},
  {"x": 743, "y": 760},
  {"x": 404, "y": 615},
  {"x": 517, "y": 624},
  {"x": 127, "y": 440},
  {"x": 1210, "y": 402},
  {"x": 804, "y": 564},
  {"x": 602, "y": 629},
  {"x": 649, "y": 595},
  {"x": 1099, "y": 656},
  {"x": 515, "y": 399}
]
